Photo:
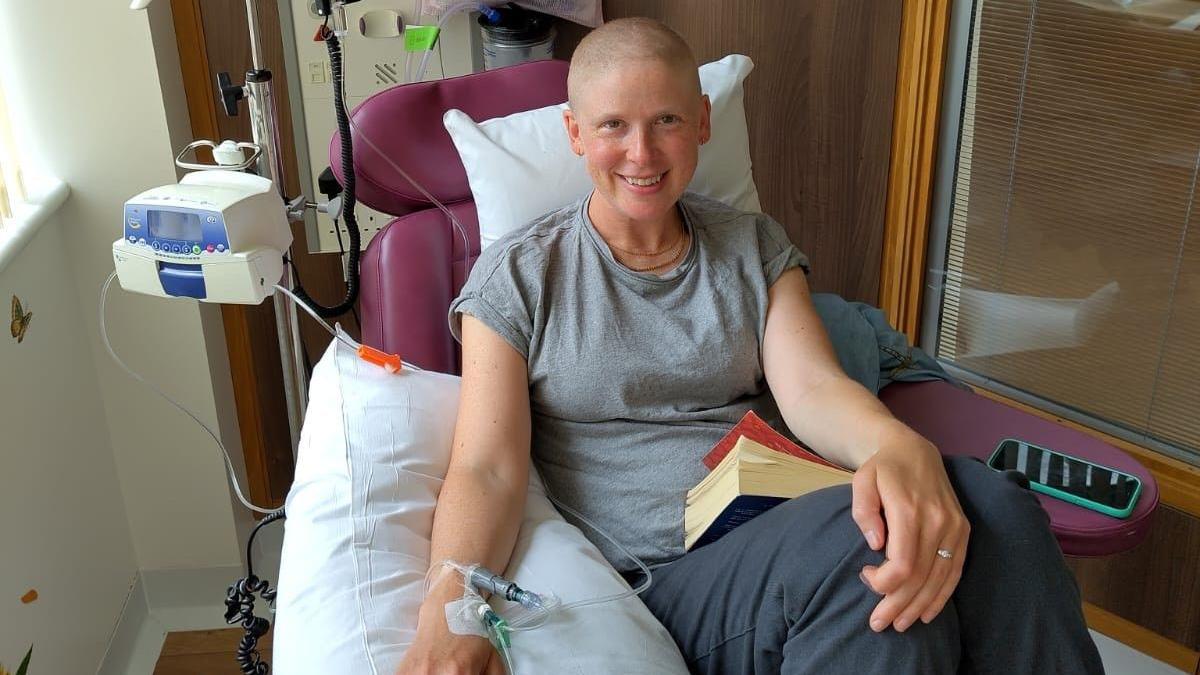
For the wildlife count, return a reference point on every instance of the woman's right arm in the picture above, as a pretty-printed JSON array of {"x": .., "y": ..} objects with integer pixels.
[{"x": 482, "y": 501}]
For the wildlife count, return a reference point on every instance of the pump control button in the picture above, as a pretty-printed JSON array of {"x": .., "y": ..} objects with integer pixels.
[
  {"x": 220, "y": 247},
  {"x": 210, "y": 248},
  {"x": 196, "y": 249}
]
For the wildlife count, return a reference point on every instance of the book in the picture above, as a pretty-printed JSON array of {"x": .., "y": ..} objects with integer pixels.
[
  {"x": 749, "y": 479},
  {"x": 753, "y": 427}
]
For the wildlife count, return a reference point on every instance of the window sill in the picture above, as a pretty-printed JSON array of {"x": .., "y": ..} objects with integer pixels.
[{"x": 48, "y": 197}]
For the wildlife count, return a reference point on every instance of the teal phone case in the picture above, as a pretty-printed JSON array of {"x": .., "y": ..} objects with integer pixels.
[{"x": 1068, "y": 497}]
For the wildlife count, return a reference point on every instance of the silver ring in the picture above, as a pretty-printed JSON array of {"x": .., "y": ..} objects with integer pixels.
[{"x": 945, "y": 553}]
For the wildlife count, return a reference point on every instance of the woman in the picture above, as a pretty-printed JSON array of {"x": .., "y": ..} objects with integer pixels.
[{"x": 615, "y": 340}]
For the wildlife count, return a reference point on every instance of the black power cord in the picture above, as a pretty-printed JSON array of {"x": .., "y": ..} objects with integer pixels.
[
  {"x": 239, "y": 607},
  {"x": 342, "y": 252},
  {"x": 348, "y": 199}
]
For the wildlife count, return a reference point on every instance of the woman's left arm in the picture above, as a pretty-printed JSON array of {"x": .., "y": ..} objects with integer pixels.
[{"x": 902, "y": 498}]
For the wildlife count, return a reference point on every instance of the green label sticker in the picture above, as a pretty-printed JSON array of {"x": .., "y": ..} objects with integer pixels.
[{"x": 420, "y": 38}]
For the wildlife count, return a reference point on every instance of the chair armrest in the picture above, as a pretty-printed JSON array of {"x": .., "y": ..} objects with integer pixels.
[
  {"x": 411, "y": 271},
  {"x": 961, "y": 422}
]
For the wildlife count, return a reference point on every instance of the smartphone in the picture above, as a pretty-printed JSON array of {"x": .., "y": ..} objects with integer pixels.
[{"x": 1071, "y": 479}]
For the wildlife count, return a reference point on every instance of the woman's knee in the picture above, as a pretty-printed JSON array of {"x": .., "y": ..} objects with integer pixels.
[
  {"x": 997, "y": 504},
  {"x": 819, "y": 530}
]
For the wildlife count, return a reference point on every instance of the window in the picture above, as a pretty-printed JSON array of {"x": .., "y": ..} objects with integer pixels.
[
  {"x": 1065, "y": 241},
  {"x": 12, "y": 188}
]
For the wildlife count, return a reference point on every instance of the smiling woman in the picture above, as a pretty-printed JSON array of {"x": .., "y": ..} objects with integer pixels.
[
  {"x": 641, "y": 151},
  {"x": 614, "y": 376}
]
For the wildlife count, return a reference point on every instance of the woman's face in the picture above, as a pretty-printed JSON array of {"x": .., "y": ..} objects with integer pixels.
[{"x": 639, "y": 127}]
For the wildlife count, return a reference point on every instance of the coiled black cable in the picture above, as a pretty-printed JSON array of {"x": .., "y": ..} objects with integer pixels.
[
  {"x": 239, "y": 607},
  {"x": 348, "y": 200}
]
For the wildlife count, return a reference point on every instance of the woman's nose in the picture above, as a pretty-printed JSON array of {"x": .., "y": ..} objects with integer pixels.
[{"x": 641, "y": 146}]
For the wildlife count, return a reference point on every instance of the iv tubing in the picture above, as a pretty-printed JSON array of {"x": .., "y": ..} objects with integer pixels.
[
  {"x": 228, "y": 462},
  {"x": 445, "y": 17},
  {"x": 645, "y": 586},
  {"x": 536, "y": 619},
  {"x": 337, "y": 335},
  {"x": 316, "y": 317},
  {"x": 528, "y": 622}
]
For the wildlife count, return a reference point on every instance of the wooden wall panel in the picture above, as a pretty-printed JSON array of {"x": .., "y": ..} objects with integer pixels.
[
  {"x": 819, "y": 105},
  {"x": 1157, "y": 584}
]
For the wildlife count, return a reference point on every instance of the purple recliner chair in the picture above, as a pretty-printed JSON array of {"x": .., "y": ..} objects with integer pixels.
[{"x": 415, "y": 266}]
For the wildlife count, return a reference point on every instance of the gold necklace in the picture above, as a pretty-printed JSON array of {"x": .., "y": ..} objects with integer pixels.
[
  {"x": 650, "y": 255},
  {"x": 674, "y": 259}
]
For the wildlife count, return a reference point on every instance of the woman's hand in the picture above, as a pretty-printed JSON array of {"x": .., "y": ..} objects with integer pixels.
[
  {"x": 907, "y": 482},
  {"x": 437, "y": 651}
]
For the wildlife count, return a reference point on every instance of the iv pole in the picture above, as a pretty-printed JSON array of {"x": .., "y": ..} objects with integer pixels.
[{"x": 264, "y": 126}]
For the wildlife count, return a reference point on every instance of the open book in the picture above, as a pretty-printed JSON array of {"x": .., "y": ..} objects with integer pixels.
[{"x": 751, "y": 478}]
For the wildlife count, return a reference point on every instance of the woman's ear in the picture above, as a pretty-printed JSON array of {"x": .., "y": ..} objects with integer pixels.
[
  {"x": 572, "y": 125},
  {"x": 705, "y": 120}
]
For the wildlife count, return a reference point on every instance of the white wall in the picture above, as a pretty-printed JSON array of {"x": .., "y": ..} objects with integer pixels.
[
  {"x": 63, "y": 530},
  {"x": 98, "y": 117}
]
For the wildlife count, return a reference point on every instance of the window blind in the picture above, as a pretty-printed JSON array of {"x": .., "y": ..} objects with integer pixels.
[
  {"x": 12, "y": 188},
  {"x": 1072, "y": 267}
]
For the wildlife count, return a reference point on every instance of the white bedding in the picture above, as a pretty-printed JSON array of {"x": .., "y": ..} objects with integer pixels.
[{"x": 373, "y": 452}]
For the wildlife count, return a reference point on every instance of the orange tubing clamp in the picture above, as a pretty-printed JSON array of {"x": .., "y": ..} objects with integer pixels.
[{"x": 389, "y": 362}]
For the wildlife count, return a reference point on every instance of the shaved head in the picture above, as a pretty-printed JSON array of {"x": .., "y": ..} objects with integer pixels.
[{"x": 623, "y": 43}]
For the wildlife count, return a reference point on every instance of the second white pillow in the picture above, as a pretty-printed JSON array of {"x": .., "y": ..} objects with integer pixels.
[{"x": 521, "y": 166}]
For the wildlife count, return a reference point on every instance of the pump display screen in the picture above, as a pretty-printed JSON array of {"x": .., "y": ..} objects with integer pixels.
[{"x": 175, "y": 225}]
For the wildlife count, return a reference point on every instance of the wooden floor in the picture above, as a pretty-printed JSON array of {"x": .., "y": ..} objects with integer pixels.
[{"x": 205, "y": 652}]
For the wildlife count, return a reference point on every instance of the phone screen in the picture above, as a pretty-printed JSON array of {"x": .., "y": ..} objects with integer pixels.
[{"x": 1066, "y": 474}]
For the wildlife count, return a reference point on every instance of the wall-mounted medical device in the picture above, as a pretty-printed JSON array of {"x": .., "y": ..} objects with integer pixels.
[{"x": 217, "y": 236}]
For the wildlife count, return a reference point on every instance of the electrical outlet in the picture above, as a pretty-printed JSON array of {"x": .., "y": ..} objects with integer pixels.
[{"x": 316, "y": 72}]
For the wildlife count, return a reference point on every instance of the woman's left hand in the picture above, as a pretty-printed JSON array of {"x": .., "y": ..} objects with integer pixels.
[{"x": 903, "y": 502}]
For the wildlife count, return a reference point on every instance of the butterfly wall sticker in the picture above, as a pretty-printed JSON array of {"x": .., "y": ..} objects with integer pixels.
[{"x": 20, "y": 320}]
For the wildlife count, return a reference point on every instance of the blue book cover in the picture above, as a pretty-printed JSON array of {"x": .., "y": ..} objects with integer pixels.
[{"x": 741, "y": 510}]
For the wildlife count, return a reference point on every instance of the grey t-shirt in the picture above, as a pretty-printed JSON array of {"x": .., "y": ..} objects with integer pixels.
[{"x": 633, "y": 377}]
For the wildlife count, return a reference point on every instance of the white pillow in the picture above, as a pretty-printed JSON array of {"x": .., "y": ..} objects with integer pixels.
[
  {"x": 521, "y": 166},
  {"x": 373, "y": 452}
]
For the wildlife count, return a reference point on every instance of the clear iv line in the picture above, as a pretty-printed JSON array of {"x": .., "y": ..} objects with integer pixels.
[
  {"x": 237, "y": 488},
  {"x": 537, "y": 618}
]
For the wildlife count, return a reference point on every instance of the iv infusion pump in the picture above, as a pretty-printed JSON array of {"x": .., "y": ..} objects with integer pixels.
[{"x": 215, "y": 236}]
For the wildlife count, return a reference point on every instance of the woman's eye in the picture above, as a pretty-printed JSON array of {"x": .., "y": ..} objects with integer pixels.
[
  {"x": 610, "y": 124},
  {"x": 669, "y": 119}
]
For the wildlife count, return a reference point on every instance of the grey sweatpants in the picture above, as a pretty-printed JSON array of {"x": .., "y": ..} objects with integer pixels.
[{"x": 782, "y": 594}]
